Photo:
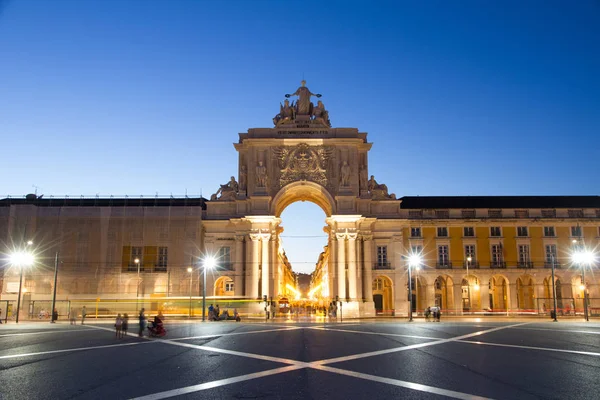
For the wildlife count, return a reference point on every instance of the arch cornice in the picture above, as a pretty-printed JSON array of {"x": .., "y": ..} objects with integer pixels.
[{"x": 303, "y": 191}]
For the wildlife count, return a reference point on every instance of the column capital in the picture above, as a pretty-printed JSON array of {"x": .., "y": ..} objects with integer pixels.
[
  {"x": 352, "y": 234},
  {"x": 341, "y": 234},
  {"x": 240, "y": 237}
]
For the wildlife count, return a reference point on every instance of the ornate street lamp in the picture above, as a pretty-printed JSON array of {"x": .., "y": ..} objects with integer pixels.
[
  {"x": 414, "y": 261},
  {"x": 583, "y": 257},
  {"x": 190, "y": 272},
  {"x": 208, "y": 263}
]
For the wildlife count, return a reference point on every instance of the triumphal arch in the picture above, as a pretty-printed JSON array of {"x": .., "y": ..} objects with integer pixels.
[{"x": 301, "y": 158}]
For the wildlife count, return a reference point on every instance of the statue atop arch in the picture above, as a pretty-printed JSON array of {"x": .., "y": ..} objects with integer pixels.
[{"x": 303, "y": 109}]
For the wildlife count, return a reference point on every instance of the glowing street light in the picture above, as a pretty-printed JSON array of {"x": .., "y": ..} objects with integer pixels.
[
  {"x": 209, "y": 263},
  {"x": 414, "y": 261},
  {"x": 20, "y": 259},
  {"x": 137, "y": 293}
]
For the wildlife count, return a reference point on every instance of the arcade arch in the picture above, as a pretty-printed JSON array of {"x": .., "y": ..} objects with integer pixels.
[
  {"x": 383, "y": 294},
  {"x": 525, "y": 293},
  {"x": 444, "y": 296},
  {"x": 224, "y": 286},
  {"x": 498, "y": 287}
]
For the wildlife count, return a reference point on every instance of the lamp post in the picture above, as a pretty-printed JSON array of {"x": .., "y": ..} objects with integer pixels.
[
  {"x": 553, "y": 287},
  {"x": 209, "y": 262},
  {"x": 414, "y": 260},
  {"x": 137, "y": 293},
  {"x": 584, "y": 258},
  {"x": 469, "y": 259},
  {"x": 55, "y": 282},
  {"x": 190, "y": 272},
  {"x": 21, "y": 259}
]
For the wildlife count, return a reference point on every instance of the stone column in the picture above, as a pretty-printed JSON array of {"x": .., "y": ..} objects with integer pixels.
[
  {"x": 458, "y": 299},
  {"x": 253, "y": 273},
  {"x": 513, "y": 304},
  {"x": 264, "y": 237},
  {"x": 352, "y": 274},
  {"x": 238, "y": 279},
  {"x": 368, "y": 256},
  {"x": 484, "y": 288},
  {"x": 341, "y": 264},
  {"x": 274, "y": 265},
  {"x": 360, "y": 265}
]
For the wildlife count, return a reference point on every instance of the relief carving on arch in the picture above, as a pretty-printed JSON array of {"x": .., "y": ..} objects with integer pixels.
[{"x": 303, "y": 162}]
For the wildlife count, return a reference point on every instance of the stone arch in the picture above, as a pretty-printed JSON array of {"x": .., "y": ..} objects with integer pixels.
[
  {"x": 443, "y": 291},
  {"x": 383, "y": 294},
  {"x": 577, "y": 290},
  {"x": 222, "y": 284},
  {"x": 471, "y": 293},
  {"x": 526, "y": 292},
  {"x": 499, "y": 293},
  {"x": 303, "y": 191},
  {"x": 547, "y": 302}
]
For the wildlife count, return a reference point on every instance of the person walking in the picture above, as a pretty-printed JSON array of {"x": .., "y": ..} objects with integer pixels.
[
  {"x": 73, "y": 316},
  {"x": 0, "y": 316},
  {"x": 142, "y": 320},
  {"x": 83, "y": 314},
  {"x": 125, "y": 325},
  {"x": 118, "y": 326},
  {"x": 54, "y": 316}
]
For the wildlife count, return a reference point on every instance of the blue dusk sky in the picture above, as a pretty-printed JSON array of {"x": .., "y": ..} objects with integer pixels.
[{"x": 144, "y": 97}]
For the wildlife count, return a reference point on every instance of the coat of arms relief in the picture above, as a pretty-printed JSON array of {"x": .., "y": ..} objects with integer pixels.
[{"x": 303, "y": 162}]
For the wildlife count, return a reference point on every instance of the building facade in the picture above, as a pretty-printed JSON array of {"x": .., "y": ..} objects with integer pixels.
[{"x": 479, "y": 254}]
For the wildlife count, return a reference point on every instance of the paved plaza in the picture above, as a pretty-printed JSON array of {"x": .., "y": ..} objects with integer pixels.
[{"x": 465, "y": 359}]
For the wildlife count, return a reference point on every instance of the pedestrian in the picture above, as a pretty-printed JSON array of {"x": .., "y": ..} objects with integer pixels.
[
  {"x": 83, "y": 314},
  {"x": 428, "y": 314},
  {"x": 0, "y": 315},
  {"x": 54, "y": 316},
  {"x": 125, "y": 325},
  {"x": 118, "y": 326},
  {"x": 217, "y": 312},
  {"x": 211, "y": 312},
  {"x": 73, "y": 316},
  {"x": 142, "y": 319}
]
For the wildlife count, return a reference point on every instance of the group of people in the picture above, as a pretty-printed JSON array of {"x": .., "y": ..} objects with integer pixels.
[
  {"x": 434, "y": 312},
  {"x": 121, "y": 325},
  {"x": 215, "y": 314}
]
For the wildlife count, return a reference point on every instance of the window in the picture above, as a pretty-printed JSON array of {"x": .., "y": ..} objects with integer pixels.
[
  {"x": 523, "y": 253},
  {"x": 550, "y": 254},
  {"x": 415, "y": 232},
  {"x": 443, "y": 258},
  {"x": 163, "y": 259},
  {"x": 497, "y": 256},
  {"x": 442, "y": 232},
  {"x": 468, "y": 231},
  {"x": 470, "y": 251},
  {"x": 229, "y": 286},
  {"x": 575, "y": 213},
  {"x": 522, "y": 231},
  {"x": 415, "y": 214},
  {"x": 382, "y": 256},
  {"x": 521, "y": 213},
  {"x": 576, "y": 231},
  {"x": 548, "y": 213},
  {"x": 495, "y": 231},
  {"x": 416, "y": 249},
  {"x": 442, "y": 214},
  {"x": 468, "y": 213},
  {"x": 224, "y": 258},
  {"x": 495, "y": 213},
  {"x": 549, "y": 231}
]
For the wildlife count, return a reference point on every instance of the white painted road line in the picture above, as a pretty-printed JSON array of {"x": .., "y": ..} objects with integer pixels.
[
  {"x": 409, "y": 385},
  {"x": 45, "y": 332},
  {"x": 412, "y": 346},
  {"x": 585, "y": 353},
  {"x": 216, "y": 335},
  {"x": 214, "y": 384},
  {"x": 41, "y": 353},
  {"x": 561, "y": 330},
  {"x": 373, "y": 333}
]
